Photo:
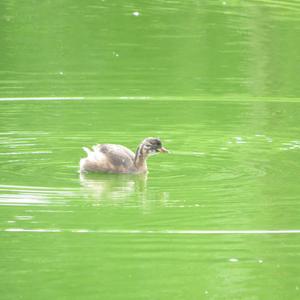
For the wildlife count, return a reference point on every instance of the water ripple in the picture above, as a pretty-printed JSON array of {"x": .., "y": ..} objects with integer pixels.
[{"x": 157, "y": 232}]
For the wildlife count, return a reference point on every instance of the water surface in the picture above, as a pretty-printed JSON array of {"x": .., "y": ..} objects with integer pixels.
[{"x": 218, "y": 217}]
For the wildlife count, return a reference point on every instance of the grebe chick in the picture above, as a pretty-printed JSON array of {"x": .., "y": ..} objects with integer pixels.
[{"x": 113, "y": 158}]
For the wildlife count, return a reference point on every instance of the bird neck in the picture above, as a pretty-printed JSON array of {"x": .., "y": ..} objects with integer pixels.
[{"x": 140, "y": 159}]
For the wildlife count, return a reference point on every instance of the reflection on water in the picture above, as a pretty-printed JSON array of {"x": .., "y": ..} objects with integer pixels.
[
  {"x": 37, "y": 196},
  {"x": 113, "y": 187}
]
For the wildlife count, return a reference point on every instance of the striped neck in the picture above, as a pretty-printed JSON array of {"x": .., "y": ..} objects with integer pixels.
[{"x": 140, "y": 158}]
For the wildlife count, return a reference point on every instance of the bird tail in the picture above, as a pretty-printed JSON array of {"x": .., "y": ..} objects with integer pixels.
[{"x": 87, "y": 150}]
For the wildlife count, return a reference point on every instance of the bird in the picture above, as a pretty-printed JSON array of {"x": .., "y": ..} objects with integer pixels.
[{"x": 113, "y": 158}]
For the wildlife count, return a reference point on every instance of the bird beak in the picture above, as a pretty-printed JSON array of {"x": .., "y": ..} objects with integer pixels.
[{"x": 162, "y": 149}]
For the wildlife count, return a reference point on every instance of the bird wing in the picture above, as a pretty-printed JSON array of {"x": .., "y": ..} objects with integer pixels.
[{"x": 117, "y": 155}]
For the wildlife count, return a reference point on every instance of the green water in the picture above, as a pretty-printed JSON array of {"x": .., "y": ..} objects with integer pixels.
[{"x": 217, "y": 217}]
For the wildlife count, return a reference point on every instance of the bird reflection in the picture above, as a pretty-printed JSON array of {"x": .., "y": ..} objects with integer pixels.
[{"x": 117, "y": 187}]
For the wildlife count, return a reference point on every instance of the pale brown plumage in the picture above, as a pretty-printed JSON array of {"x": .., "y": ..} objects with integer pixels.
[{"x": 113, "y": 158}]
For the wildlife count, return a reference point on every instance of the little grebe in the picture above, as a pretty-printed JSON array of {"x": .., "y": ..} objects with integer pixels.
[{"x": 113, "y": 158}]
